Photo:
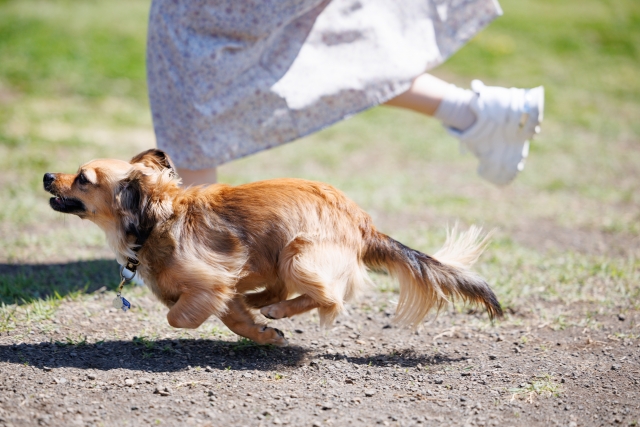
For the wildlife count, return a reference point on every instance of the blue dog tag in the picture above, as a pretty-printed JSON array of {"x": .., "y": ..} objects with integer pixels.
[{"x": 120, "y": 302}]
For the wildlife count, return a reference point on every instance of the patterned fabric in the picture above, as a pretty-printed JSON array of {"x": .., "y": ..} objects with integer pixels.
[{"x": 228, "y": 78}]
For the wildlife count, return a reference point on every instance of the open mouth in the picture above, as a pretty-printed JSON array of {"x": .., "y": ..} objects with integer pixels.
[{"x": 66, "y": 205}]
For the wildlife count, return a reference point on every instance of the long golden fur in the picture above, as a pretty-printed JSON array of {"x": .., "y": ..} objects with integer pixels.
[{"x": 222, "y": 250}]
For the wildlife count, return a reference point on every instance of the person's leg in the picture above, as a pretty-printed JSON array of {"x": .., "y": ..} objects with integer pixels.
[
  {"x": 432, "y": 96},
  {"x": 424, "y": 95},
  {"x": 198, "y": 177}
]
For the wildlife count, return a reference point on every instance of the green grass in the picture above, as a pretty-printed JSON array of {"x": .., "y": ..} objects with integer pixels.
[
  {"x": 72, "y": 88},
  {"x": 27, "y": 283}
]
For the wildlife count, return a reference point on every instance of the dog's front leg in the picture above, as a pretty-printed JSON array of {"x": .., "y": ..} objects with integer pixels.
[
  {"x": 192, "y": 309},
  {"x": 240, "y": 320}
]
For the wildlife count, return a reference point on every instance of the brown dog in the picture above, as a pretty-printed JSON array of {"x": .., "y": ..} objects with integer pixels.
[{"x": 222, "y": 250}]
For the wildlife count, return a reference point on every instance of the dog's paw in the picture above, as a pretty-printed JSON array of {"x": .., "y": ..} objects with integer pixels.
[
  {"x": 273, "y": 311},
  {"x": 272, "y": 336}
]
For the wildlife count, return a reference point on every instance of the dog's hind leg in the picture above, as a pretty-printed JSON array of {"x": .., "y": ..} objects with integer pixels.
[
  {"x": 325, "y": 274},
  {"x": 240, "y": 320},
  {"x": 268, "y": 296},
  {"x": 289, "y": 307}
]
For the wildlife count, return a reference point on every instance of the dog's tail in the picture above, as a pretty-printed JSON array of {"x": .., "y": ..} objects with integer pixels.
[{"x": 427, "y": 282}]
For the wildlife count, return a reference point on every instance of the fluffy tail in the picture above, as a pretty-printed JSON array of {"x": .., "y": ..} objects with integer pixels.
[{"x": 427, "y": 281}]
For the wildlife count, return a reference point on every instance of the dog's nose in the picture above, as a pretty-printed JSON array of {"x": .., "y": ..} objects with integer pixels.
[{"x": 47, "y": 180}]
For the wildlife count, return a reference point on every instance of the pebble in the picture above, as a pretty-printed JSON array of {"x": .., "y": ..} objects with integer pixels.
[
  {"x": 621, "y": 317},
  {"x": 327, "y": 405},
  {"x": 369, "y": 392},
  {"x": 162, "y": 391},
  {"x": 91, "y": 377},
  {"x": 438, "y": 380},
  {"x": 615, "y": 367},
  {"x": 129, "y": 382},
  {"x": 492, "y": 357}
]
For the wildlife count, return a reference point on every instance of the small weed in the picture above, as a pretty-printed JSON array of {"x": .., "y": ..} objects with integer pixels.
[
  {"x": 39, "y": 310},
  {"x": 278, "y": 376},
  {"x": 244, "y": 343},
  {"x": 543, "y": 385},
  {"x": 144, "y": 341},
  {"x": 75, "y": 342},
  {"x": 23, "y": 360},
  {"x": 560, "y": 323},
  {"x": 7, "y": 319}
]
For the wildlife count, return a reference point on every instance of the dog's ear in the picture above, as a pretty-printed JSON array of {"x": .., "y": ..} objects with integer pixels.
[
  {"x": 154, "y": 158},
  {"x": 132, "y": 208}
]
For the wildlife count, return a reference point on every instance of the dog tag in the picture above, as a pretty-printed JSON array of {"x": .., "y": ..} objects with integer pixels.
[{"x": 120, "y": 302}]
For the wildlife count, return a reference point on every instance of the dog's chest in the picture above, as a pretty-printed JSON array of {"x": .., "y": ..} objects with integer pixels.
[{"x": 150, "y": 281}]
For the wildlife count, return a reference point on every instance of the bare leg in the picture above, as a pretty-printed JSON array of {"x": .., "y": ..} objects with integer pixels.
[
  {"x": 241, "y": 321},
  {"x": 289, "y": 307},
  {"x": 424, "y": 95},
  {"x": 198, "y": 177}
]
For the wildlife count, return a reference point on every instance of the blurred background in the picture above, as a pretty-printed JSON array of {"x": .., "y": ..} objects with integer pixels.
[{"x": 72, "y": 88}]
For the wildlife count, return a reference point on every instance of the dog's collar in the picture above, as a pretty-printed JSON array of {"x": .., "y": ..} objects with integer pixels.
[{"x": 132, "y": 265}]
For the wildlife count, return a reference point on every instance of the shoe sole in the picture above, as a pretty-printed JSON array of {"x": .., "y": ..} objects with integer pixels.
[{"x": 535, "y": 97}]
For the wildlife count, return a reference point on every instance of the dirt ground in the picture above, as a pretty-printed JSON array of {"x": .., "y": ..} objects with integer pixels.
[{"x": 89, "y": 364}]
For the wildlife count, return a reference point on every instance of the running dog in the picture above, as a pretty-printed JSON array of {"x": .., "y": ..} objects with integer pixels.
[{"x": 222, "y": 250}]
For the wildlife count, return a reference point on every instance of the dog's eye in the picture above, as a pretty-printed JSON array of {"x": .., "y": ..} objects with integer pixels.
[{"x": 82, "y": 180}]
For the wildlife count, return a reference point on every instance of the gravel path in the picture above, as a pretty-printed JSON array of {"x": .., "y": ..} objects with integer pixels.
[{"x": 87, "y": 364}]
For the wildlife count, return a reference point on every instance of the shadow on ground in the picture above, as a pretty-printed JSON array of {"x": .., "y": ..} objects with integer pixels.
[
  {"x": 175, "y": 355},
  {"x": 23, "y": 283},
  {"x": 153, "y": 356}
]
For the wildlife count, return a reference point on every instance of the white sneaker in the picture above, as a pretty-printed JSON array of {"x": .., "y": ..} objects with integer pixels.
[{"x": 505, "y": 121}]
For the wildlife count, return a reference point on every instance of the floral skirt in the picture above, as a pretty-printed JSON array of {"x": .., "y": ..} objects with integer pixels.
[{"x": 228, "y": 78}]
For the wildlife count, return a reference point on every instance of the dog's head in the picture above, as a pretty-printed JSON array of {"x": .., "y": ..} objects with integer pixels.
[{"x": 114, "y": 194}]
